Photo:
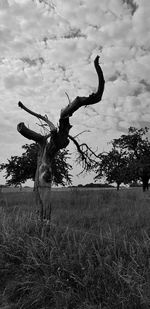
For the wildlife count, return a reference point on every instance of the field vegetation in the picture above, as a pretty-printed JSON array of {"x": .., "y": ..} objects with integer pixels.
[{"x": 96, "y": 254}]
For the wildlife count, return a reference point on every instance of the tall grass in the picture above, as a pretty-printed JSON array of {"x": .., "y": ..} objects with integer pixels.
[{"x": 96, "y": 254}]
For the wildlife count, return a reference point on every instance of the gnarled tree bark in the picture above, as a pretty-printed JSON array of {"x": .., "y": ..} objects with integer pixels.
[{"x": 57, "y": 139}]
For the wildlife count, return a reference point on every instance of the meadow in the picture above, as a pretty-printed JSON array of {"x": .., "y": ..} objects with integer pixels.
[{"x": 95, "y": 255}]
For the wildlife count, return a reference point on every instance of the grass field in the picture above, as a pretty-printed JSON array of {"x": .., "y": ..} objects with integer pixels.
[{"x": 96, "y": 254}]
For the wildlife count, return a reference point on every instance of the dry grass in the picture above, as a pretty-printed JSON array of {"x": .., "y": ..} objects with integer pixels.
[{"x": 96, "y": 254}]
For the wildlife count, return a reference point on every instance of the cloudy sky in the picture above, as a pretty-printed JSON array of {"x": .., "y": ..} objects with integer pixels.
[{"x": 47, "y": 49}]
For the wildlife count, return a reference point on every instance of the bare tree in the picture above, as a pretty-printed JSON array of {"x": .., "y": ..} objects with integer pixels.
[{"x": 56, "y": 139}]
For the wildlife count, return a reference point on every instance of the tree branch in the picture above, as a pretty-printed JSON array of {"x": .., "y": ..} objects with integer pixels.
[
  {"x": 23, "y": 130},
  {"x": 91, "y": 99},
  {"x": 85, "y": 155},
  {"x": 44, "y": 118}
]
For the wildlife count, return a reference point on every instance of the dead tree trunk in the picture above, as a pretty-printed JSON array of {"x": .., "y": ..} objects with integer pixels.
[{"x": 57, "y": 139}]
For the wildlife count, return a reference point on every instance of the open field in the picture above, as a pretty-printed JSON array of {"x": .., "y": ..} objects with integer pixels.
[{"x": 96, "y": 254}]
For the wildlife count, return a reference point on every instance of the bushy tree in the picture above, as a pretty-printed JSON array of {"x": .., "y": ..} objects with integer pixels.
[
  {"x": 21, "y": 168},
  {"x": 135, "y": 143},
  {"x": 113, "y": 166},
  {"x": 137, "y": 148},
  {"x": 130, "y": 153}
]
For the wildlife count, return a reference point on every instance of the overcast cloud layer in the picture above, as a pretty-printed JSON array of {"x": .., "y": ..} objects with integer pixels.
[{"x": 47, "y": 50}]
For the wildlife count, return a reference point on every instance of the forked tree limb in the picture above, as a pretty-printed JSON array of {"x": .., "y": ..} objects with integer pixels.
[
  {"x": 50, "y": 124},
  {"x": 91, "y": 99},
  {"x": 87, "y": 156}
]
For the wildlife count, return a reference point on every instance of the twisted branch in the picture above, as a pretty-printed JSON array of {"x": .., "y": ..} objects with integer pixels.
[{"x": 91, "y": 99}]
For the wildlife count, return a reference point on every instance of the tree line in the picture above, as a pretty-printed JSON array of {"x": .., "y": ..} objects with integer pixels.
[{"x": 127, "y": 162}]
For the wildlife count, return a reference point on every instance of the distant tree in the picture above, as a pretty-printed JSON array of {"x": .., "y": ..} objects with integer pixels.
[
  {"x": 113, "y": 166},
  {"x": 137, "y": 147},
  {"x": 21, "y": 168},
  {"x": 134, "y": 143},
  {"x": 129, "y": 159}
]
